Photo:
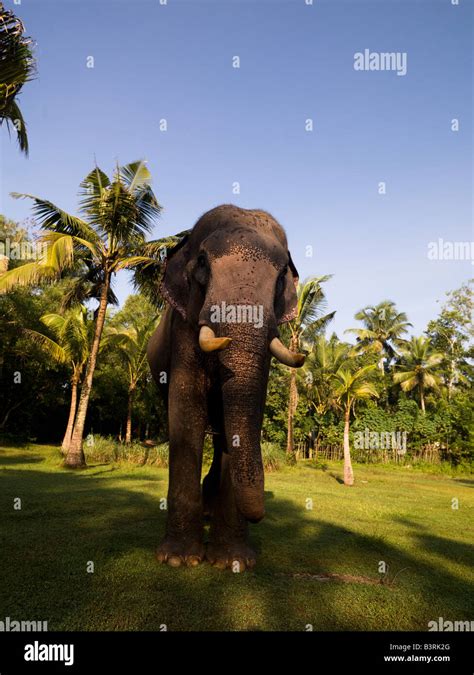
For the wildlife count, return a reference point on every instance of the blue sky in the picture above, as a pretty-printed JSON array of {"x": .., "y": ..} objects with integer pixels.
[{"x": 248, "y": 125}]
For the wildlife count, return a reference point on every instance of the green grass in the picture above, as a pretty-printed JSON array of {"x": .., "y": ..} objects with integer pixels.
[{"x": 110, "y": 514}]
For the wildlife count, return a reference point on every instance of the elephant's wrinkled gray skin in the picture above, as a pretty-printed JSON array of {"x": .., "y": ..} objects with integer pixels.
[{"x": 237, "y": 257}]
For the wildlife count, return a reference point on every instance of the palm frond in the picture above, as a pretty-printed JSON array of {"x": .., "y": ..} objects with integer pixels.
[
  {"x": 135, "y": 175},
  {"x": 50, "y": 347},
  {"x": 12, "y": 116},
  {"x": 17, "y": 66},
  {"x": 59, "y": 251},
  {"x": 54, "y": 322},
  {"x": 51, "y": 217},
  {"x": 318, "y": 326},
  {"x": 91, "y": 194},
  {"x": 366, "y": 390},
  {"x": 73, "y": 332},
  {"x": 29, "y": 274},
  {"x": 86, "y": 285},
  {"x": 311, "y": 301}
]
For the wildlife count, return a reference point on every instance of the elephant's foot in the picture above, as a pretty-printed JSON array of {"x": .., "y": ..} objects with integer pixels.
[
  {"x": 177, "y": 551},
  {"x": 236, "y": 555}
]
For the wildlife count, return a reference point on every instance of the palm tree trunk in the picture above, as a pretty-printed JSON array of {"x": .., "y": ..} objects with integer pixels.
[
  {"x": 75, "y": 457},
  {"x": 290, "y": 446},
  {"x": 422, "y": 398},
  {"x": 128, "y": 432},
  {"x": 72, "y": 415},
  {"x": 292, "y": 403},
  {"x": 348, "y": 473}
]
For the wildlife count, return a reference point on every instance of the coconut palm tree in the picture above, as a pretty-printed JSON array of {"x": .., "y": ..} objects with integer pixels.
[
  {"x": 309, "y": 322},
  {"x": 382, "y": 332},
  {"x": 351, "y": 387},
  {"x": 117, "y": 214},
  {"x": 131, "y": 342},
  {"x": 417, "y": 368},
  {"x": 322, "y": 363},
  {"x": 72, "y": 347},
  {"x": 17, "y": 66}
]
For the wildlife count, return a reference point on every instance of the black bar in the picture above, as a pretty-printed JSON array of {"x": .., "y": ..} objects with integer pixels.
[{"x": 321, "y": 652}]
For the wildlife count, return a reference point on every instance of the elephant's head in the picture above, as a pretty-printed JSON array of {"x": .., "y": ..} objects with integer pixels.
[{"x": 233, "y": 280}]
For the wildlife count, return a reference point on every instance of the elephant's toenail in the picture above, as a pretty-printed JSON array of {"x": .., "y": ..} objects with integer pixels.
[
  {"x": 193, "y": 560},
  {"x": 174, "y": 561},
  {"x": 237, "y": 566},
  {"x": 220, "y": 564}
]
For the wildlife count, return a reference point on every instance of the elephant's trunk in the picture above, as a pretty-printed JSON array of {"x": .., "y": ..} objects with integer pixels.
[{"x": 244, "y": 371}]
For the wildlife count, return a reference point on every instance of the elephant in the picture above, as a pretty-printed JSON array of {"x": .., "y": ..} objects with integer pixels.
[{"x": 228, "y": 284}]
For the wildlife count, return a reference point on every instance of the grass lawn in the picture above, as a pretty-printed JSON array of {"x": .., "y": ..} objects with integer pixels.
[{"x": 111, "y": 515}]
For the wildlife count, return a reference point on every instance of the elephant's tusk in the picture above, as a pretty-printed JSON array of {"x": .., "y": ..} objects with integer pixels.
[
  {"x": 209, "y": 342},
  {"x": 283, "y": 354}
]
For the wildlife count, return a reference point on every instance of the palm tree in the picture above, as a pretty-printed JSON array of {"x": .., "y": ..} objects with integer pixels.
[
  {"x": 71, "y": 347},
  {"x": 351, "y": 387},
  {"x": 309, "y": 322},
  {"x": 17, "y": 67},
  {"x": 131, "y": 342},
  {"x": 323, "y": 362},
  {"x": 118, "y": 213},
  {"x": 417, "y": 368},
  {"x": 383, "y": 330}
]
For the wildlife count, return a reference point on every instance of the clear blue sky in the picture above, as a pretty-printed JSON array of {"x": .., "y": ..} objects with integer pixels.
[{"x": 247, "y": 125}]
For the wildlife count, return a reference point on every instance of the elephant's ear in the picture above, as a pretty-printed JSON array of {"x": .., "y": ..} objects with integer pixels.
[
  {"x": 175, "y": 284},
  {"x": 286, "y": 306}
]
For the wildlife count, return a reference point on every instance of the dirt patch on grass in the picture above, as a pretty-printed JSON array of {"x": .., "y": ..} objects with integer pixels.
[{"x": 328, "y": 576}]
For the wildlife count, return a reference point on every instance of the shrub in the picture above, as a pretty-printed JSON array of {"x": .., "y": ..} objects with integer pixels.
[
  {"x": 159, "y": 455},
  {"x": 100, "y": 448},
  {"x": 272, "y": 456},
  {"x": 107, "y": 449},
  {"x": 135, "y": 452}
]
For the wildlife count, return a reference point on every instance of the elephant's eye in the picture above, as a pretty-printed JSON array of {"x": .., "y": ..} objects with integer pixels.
[{"x": 201, "y": 271}]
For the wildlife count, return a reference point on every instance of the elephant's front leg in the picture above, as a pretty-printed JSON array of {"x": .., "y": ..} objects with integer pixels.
[
  {"x": 228, "y": 545},
  {"x": 183, "y": 542}
]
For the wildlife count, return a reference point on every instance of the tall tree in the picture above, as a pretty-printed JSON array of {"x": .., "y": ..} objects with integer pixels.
[
  {"x": 321, "y": 365},
  {"x": 351, "y": 387},
  {"x": 132, "y": 329},
  {"x": 118, "y": 213},
  {"x": 309, "y": 322},
  {"x": 452, "y": 333},
  {"x": 71, "y": 347},
  {"x": 383, "y": 329},
  {"x": 418, "y": 368},
  {"x": 17, "y": 66}
]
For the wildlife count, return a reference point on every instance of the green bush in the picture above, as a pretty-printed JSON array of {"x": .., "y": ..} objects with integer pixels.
[
  {"x": 159, "y": 455},
  {"x": 134, "y": 453},
  {"x": 107, "y": 449},
  {"x": 273, "y": 456},
  {"x": 100, "y": 448}
]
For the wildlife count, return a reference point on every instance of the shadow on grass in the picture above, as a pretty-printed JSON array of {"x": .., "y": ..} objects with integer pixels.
[
  {"x": 7, "y": 441},
  {"x": 459, "y": 552},
  {"x": 314, "y": 464},
  {"x": 71, "y": 519},
  {"x": 337, "y": 478},
  {"x": 8, "y": 459},
  {"x": 465, "y": 481}
]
